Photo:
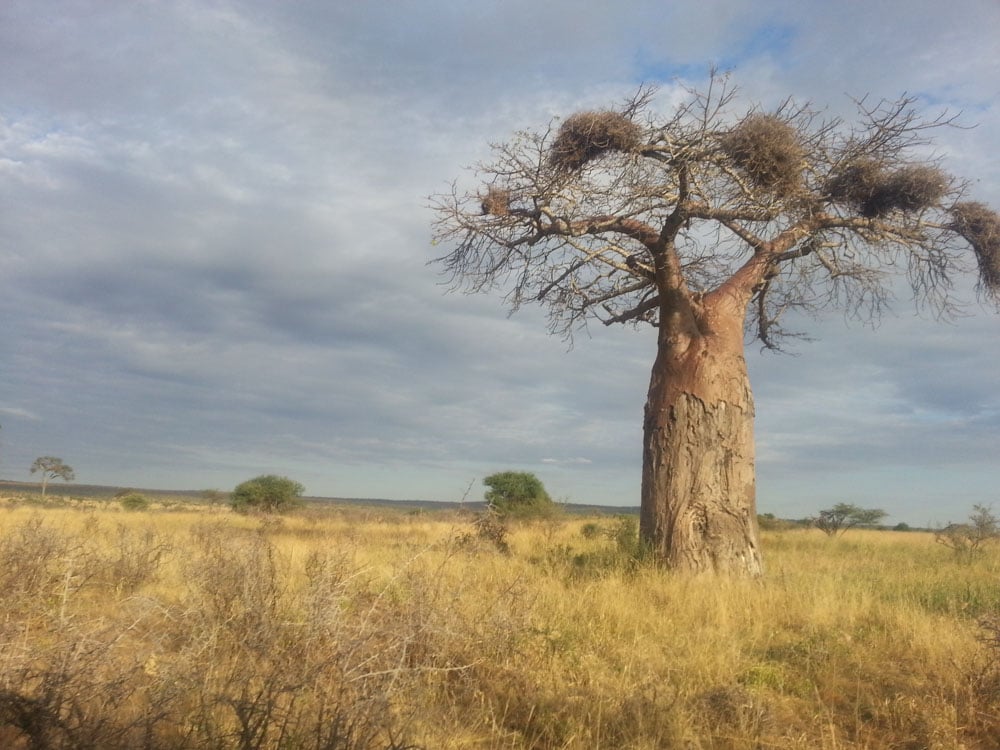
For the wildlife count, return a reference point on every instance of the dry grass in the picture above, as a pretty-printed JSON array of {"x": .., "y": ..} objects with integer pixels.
[{"x": 374, "y": 629}]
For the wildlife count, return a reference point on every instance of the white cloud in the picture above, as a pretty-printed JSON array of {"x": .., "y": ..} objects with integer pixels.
[{"x": 17, "y": 411}]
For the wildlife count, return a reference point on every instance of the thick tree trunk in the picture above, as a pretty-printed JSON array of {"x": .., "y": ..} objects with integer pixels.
[{"x": 698, "y": 486}]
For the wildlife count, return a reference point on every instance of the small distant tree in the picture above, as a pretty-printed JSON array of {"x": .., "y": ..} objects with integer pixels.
[
  {"x": 844, "y": 516},
  {"x": 967, "y": 539},
  {"x": 267, "y": 493},
  {"x": 517, "y": 493},
  {"x": 52, "y": 468},
  {"x": 134, "y": 501}
]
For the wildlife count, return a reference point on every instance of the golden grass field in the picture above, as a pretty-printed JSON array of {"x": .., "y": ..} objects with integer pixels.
[{"x": 193, "y": 627}]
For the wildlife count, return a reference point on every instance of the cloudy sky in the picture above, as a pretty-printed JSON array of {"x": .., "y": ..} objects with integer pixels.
[{"x": 215, "y": 235}]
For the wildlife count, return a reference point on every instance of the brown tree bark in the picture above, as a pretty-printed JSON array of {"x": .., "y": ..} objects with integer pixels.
[{"x": 698, "y": 487}]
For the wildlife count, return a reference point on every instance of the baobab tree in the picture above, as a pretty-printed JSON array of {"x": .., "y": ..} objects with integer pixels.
[{"x": 710, "y": 227}]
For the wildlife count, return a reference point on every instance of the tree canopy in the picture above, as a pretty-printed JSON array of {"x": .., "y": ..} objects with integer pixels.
[
  {"x": 267, "y": 493},
  {"x": 52, "y": 467},
  {"x": 844, "y": 516},
  {"x": 517, "y": 493},
  {"x": 795, "y": 209}
]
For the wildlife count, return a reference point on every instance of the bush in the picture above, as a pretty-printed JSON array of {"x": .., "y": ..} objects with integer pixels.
[
  {"x": 518, "y": 493},
  {"x": 489, "y": 528},
  {"x": 626, "y": 552},
  {"x": 625, "y": 535},
  {"x": 136, "y": 558},
  {"x": 134, "y": 501},
  {"x": 770, "y": 522},
  {"x": 267, "y": 494},
  {"x": 966, "y": 540}
]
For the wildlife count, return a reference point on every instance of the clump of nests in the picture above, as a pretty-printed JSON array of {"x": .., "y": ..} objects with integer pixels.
[
  {"x": 768, "y": 151},
  {"x": 588, "y": 135},
  {"x": 872, "y": 191},
  {"x": 980, "y": 226},
  {"x": 496, "y": 202}
]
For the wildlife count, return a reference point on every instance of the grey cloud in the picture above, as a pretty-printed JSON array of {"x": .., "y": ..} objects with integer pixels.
[{"x": 213, "y": 238}]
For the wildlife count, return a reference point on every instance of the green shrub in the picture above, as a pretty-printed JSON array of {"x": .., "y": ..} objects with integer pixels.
[
  {"x": 625, "y": 535},
  {"x": 267, "y": 493},
  {"x": 518, "y": 494},
  {"x": 134, "y": 501},
  {"x": 624, "y": 552}
]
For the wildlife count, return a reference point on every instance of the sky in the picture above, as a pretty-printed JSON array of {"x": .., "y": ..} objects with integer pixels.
[{"x": 215, "y": 238}]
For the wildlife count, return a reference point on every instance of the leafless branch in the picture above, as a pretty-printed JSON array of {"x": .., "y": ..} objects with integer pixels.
[{"x": 813, "y": 212}]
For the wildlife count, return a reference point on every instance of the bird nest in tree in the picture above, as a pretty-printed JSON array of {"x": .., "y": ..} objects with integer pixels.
[
  {"x": 767, "y": 150},
  {"x": 907, "y": 189},
  {"x": 872, "y": 192},
  {"x": 588, "y": 135},
  {"x": 980, "y": 226},
  {"x": 496, "y": 202},
  {"x": 855, "y": 183}
]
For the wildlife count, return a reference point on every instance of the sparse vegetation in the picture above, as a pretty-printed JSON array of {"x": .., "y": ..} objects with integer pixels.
[
  {"x": 360, "y": 628},
  {"x": 489, "y": 528},
  {"x": 967, "y": 540}
]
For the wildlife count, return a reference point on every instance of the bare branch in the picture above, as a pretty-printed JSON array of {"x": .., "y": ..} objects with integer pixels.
[{"x": 600, "y": 215}]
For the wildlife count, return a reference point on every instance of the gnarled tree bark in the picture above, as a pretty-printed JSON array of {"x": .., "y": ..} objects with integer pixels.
[{"x": 698, "y": 508}]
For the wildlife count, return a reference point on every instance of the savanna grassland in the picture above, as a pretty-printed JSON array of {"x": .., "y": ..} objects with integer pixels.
[{"x": 193, "y": 627}]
